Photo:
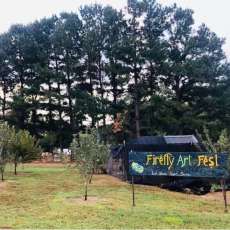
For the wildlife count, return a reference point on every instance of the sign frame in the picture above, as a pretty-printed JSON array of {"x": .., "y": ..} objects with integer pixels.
[
  {"x": 178, "y": 164},
  {"x": 207, "y": 161}
]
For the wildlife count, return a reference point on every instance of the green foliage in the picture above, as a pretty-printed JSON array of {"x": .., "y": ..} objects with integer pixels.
[
  {"x": 90, "y": 155},
  {"x": 6, "y": 137},
  {"x": 222, "y": 144},
  {"x": 24, "y": 148},
  {"x": 224, "y": 141},
  {"x": 208, "y": 142},
  {"x": 216, "y": 188},
  {"x": 48, "y": 142},
  {"x": 16, "y": 146},
  {"x": 147, "y": 62}
]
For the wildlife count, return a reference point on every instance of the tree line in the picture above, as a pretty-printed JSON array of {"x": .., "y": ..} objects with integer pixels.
[{"x": 147, "y": 62}]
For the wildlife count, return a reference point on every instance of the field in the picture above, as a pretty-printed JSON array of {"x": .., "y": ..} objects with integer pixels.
[{"x": 50, "y": 196}]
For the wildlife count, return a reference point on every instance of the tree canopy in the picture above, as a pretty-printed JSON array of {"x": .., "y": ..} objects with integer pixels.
[{"x": 146, "y": 62}]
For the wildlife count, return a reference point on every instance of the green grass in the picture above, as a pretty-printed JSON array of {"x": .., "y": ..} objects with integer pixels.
[{"x": 45, "y": 197}]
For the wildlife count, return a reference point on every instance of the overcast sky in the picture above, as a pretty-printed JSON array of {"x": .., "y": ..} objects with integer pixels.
[{"x": 214, "y": 13}]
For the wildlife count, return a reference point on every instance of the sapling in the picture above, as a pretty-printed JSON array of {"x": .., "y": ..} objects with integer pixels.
[
  {"x": 89, "y": 155},
  {"x": 24, "y": 148},
  {"x": 6, "y": 133}
]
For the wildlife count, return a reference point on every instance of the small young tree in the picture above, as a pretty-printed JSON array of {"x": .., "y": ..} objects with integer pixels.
[
  {"x": 222, "y": 144},
  {"x": 224, "y": 141},
  {"x": 207, "y": 140},
  {"x": 24, "y": 148},
  {"x": 89, "y": 155},
  {"x": 3, "y": 161},
  {"x": 5, "y": 142}
]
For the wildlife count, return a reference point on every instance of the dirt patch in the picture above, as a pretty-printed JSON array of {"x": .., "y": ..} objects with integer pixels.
[
  {"x": 3, "y": 186},
  {"x": 215, "y": 196},
  {"x": 101, "y": 180},
  {"x": 90, "y": 200},
  {"x": 23, "y": 174}
]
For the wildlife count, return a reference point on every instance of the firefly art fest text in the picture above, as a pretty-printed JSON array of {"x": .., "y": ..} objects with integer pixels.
[{"x": 169, "y": 160}]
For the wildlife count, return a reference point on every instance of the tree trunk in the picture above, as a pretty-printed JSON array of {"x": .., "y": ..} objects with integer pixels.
[
  {"x": 50, "y": 104},
  {"x": 151, "y": 79},
  {"x": 59, "y": 88},
  {"x": 137, "y": 107},
  {"x": 15, "y": 167},
  {"x": 86, "y": 190},
  {"x": 34, "y": 116},
  {"x": 90, "y": 180},
  {"x": 137, "y": 119},
  {"x": 21, "y": 79},
  {"x": 91, "y": 177},
  {"x": 91, "y": 86},
  {"x": 2, "y": 175},
  {"x": 114, "y": 89},
  {"x": 4, "y": 102},
  {"x": 59, "y": 102},
  {"x": 178, "y": 89},
  {"x": 101, "y": 86},
  {"x": 69, "y": 84}
]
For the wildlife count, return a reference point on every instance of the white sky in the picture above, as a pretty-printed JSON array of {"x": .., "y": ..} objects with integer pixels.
[{"x": 214, "y": 13}]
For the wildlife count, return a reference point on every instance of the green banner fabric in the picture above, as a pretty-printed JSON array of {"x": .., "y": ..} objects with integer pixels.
[{"x": 188, "y": 164}]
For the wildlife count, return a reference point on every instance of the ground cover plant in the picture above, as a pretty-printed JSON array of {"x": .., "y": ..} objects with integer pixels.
[{"x": 50, "y": 196}]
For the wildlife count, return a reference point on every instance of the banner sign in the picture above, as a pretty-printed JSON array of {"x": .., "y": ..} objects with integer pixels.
[{"x": 193, "y": 164}]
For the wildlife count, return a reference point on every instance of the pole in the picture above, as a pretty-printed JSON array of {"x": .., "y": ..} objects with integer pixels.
[
  {"x": 133, "y": 192},
  {"x": 124, "y": 162},
  {"x": 224, "y": 195}
]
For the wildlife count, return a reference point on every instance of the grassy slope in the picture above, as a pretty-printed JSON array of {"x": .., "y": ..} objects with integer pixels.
[{"x": 42, "y": 197}]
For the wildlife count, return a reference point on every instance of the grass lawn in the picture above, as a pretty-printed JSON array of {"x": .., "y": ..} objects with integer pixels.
[{"x": 50, "y": 197}]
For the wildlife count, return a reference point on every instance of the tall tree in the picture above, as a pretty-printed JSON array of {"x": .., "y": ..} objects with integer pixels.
[
  {"x": 115, "y": 27},
  {"x": 68, "y": 36},
  {"x": 156, "y": 23},
  {"x": 132, "y": 55},
  {"x": 94, "y": 46},
  {"x": 195, "y": 62},
  {"x": 7, "y": 80},
  {"x": 42, "y": 83},
  {"x": 21, "y": 59}
]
